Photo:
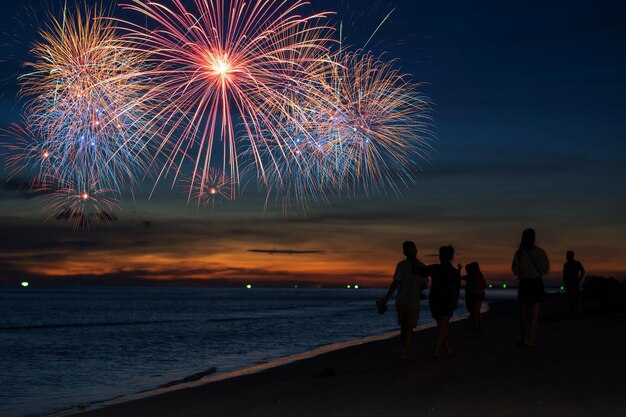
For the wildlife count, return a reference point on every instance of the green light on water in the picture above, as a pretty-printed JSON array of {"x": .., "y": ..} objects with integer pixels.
[
  {"x": 348, "y": 286},
  {"x": 490, "y": 286},
  {"x": 504, "y": 286},
  {"x": 562, "y": 288},
  {"x": 295, "y": 286},
  {"x": 248, "y": 286},
  {"x": 25, "y": 284}
]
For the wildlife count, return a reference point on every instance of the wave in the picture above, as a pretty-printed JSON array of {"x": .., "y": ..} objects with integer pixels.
[
  {"x": 191, "y": 378},
  {"x": 69, "y": 325}
]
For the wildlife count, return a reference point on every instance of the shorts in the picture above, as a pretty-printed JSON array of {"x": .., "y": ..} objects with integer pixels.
[
  {"x": 408, "y": 317},
  {"x": 572, "y": 286},
  {"x": 530, "y": 290},
  {"x": 442, "y": 304}
]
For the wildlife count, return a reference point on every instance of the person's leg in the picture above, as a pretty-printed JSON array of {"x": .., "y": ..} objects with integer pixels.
[
  {"x": 446, "y": 341},
  {"x": 402, "y": 335},
  {"x": 524, "y": 314},
  {"x": 534, "y": 324},
  {"x": 407, "y": 332},
  {"x": 410, "y": 322},
  {"x": 570, "y": 298},
  {"x": 576, "y": 300},
  {"x": 470, "y": 309},
  {"x": 477, "y": 319},
  {"x": 401, "y": 324},
  {"x": 438, "y": 339}
]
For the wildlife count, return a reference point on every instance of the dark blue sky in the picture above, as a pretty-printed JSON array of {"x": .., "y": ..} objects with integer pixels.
[{"x": 530, "y": 122}]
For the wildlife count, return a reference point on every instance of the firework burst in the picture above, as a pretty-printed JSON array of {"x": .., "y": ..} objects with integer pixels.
[
  {"x": 84, "y": 94},
  {"x": 378, "y": 124},
  {"x": 81, "y": 203},
  {"x": 210, "y": 189},
  {"x": 219, "y": 62},
  {"x": 366, "y": 129}
]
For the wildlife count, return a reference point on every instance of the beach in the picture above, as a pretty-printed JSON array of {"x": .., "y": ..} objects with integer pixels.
[{"x": 577, "y": 370}]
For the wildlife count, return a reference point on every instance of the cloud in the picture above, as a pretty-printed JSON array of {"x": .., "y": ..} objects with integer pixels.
[
  {"x": 83, "y": 220},
  {"x": 18, "y": 188},
  {"x": 218, "y": 277},
  {"x": 286, "y": 251}
]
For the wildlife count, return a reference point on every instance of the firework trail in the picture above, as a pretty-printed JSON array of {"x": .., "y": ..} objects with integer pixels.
[
  {"x": 221, "y": 63},
  {"x": 86, "y": 105},
  {"x": 23, "y": 151}
]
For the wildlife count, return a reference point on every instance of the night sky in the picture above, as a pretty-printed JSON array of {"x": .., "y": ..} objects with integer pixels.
[{"x": 530, "y": 121}]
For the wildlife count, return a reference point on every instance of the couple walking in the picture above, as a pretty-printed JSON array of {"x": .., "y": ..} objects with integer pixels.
[{"x": 409, "y": 279}]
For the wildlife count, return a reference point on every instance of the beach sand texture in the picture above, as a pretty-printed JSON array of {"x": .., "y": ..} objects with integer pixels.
[{"x": 578, "y": 370}]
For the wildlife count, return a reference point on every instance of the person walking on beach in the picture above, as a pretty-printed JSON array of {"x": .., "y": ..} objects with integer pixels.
[
  {"x": 443, "y": 296},
  {"x": 474, "y": 293},
  {"x": 573, "y": 273},
  {"x": 409, "y": 286},
  {"x": 530, "y": 263}
]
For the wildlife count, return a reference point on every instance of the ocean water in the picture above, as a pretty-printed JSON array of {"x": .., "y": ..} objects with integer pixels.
[{"x": 60, "y": 347}]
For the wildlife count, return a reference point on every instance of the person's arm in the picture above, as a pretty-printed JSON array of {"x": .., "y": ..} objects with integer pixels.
[
  {"x": 582, "y": 271},
  {"x": 393, "y": 286},
  {"x": 545, "y": 268},
  {"x": 391, "y": 290},
  {"x": 515, "y": 265},
  {"x": 457, "y": 290}
]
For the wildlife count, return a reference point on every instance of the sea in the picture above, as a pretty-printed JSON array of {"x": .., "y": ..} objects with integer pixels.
[{"x": 65, "y": 346}]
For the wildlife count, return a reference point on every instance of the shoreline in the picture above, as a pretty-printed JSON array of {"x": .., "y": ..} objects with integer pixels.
[
  {"x": 250, "y": 370},
  {"x": 577, "y": 370}
]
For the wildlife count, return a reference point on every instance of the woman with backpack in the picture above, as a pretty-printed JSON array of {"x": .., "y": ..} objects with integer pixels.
[{"x": 530, "y": 264}]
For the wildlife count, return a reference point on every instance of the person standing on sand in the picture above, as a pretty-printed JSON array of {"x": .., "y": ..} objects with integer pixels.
[
  {"x": 530, "y": 263},
  {"x": 444, "y": 295},
  {"x": 474, "y": 293},
  {"x": 409, "y": 286},
  {"x": 573, "y": 273}
]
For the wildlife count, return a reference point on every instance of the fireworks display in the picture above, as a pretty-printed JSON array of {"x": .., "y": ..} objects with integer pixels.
[
  {"x": 219, "y": 61},
  {"x": 200, "y": 88}
]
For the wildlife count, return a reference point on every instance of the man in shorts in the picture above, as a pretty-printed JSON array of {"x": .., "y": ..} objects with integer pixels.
[
  {"x": 573, "y": 273},
  {"x": 409, "y": 286}
]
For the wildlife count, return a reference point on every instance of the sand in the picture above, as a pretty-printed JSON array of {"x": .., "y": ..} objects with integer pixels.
[{"x": 579, "y": 369}]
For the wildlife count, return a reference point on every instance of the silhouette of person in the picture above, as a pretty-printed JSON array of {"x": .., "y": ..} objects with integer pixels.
[
  {"x": 530, "y": 263},
  {"x": 409, "y": 286},
  {"x": 474, "y": 293},
  {"x": 443, "y": 296},
  {"x": 573, "y": 273}
]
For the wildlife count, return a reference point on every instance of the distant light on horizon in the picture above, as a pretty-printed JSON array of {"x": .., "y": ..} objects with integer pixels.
[
  {"x": 504, "y": 286},
  {"x": 25, "y": 284},
  {"x": 348, "y": 286},
  {"x": 248, "y": 286},
  {"x": 356, "y": 287},
  {"x": 562, "y": 288},
  {"x": 490, "y": 286}
]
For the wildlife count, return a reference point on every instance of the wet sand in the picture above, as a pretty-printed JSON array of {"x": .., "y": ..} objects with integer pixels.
[{"x": 579, "y": 369}]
